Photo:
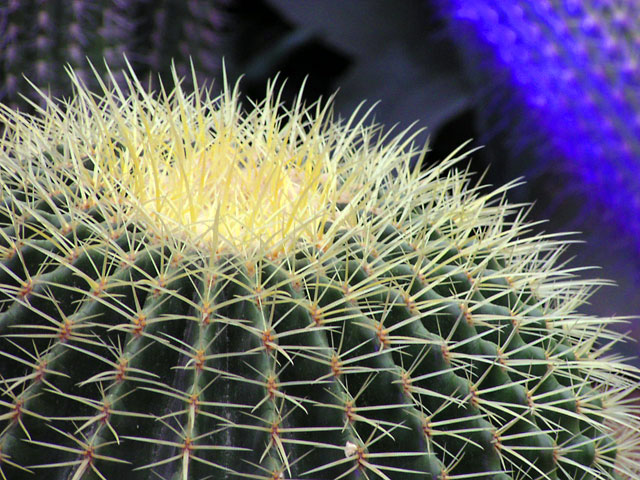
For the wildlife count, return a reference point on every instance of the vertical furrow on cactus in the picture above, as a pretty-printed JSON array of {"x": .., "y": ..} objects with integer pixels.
[
  {"x": 127, "y": 401},
  {"x": 165, "y": 320},
  {"x": 174, "y": 434},
  {"x": 327, "y": 357},
  {"x": 279, "y": 324},
  {"x": 294, "y": 372},
  {"x": 228, "y": 395},
  {"x": 194, "y": 422},
  {"x": 123, "y": 407},
  {"x": 235, "y": 355}
]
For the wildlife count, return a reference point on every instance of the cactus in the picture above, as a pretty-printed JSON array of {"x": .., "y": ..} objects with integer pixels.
[
  {"x": 191, "y": 289},
  {"x": 39, "y": 37},
  {"x": 187, "y": 32},
  {"x": 561, "y": 80}
]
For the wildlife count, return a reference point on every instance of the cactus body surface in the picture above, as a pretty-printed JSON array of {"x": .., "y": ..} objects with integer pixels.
[{"x": 191, "y": 290}]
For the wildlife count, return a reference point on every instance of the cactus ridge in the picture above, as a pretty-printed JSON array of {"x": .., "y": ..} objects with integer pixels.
[{"x": 412, "y": 327}]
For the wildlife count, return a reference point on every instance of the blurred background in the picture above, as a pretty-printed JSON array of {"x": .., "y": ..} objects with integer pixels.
[{"x": 550, "y": 88}]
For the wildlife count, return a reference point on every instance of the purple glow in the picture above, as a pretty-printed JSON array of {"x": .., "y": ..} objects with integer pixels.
[{"x": 574, "y": 68}]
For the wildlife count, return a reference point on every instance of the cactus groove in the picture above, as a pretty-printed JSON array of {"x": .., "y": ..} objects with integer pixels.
[{"x": 165, "y": 314}]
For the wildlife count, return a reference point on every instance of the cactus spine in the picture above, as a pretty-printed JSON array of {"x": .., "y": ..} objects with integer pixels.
[{"x": 193, "y": 290}]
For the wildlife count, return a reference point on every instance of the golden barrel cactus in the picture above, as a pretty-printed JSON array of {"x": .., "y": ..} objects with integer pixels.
[{"x": 191, "y": 289}]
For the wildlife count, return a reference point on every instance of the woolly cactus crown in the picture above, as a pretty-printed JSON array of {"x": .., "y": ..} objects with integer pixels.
[{"x": 198, "y": 290}]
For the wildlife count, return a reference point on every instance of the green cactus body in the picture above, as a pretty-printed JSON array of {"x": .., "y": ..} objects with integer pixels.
[{"x": 189, "y": 290}]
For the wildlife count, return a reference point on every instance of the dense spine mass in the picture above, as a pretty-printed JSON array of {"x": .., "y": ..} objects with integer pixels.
[{"x": 406, "y": 326}]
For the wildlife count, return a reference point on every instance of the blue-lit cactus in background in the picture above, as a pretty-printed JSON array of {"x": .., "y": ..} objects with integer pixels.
[
  {"x": 570, "y": 71},
  {"x": 38, "y": 38}
]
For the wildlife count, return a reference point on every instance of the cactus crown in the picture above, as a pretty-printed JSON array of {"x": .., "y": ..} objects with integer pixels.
[
  {"x": 211, "y": 284},
  {"x": 197, "y": 167}
]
